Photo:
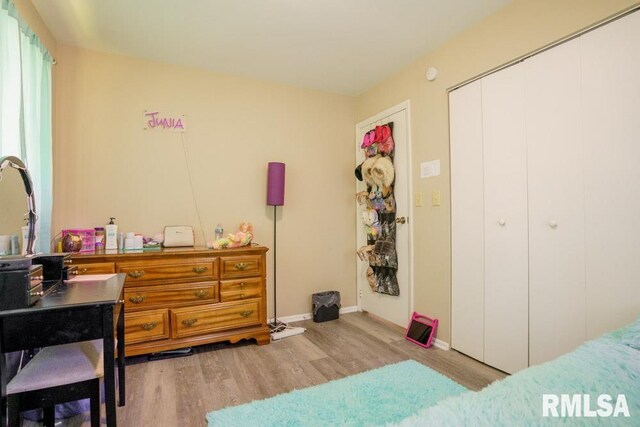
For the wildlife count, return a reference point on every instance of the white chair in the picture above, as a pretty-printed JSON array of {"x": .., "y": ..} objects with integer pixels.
[{"x": 58, "y": 374}]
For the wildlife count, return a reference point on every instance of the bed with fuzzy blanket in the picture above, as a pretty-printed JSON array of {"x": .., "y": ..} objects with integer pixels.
[{"x": 607, "y": 366}]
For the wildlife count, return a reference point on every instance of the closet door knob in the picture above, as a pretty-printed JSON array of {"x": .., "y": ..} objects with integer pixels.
[
  {"x": 553, "y": 224},
  {"x": 502, "y": 222}
]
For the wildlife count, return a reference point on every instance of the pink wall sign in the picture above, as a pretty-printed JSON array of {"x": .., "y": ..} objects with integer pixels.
[{"x": 157, "y": 120}]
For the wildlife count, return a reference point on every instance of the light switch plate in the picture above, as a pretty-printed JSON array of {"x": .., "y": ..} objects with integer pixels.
[
  {"x": 417, "y": 199},
  {"x": 435, "y": 198}
]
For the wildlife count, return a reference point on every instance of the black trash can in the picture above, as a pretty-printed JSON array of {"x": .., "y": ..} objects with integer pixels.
[{"x": 326, "y": 306}]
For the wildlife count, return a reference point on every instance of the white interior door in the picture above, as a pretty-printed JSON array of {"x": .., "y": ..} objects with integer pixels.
[
  {"x": 396, "y": 309},
  {"x": 557, "y": 322},
  {"x": 611, "y": 104},
  {"x": 506, "y": 318},
  {"x": 467, "y": 220}
]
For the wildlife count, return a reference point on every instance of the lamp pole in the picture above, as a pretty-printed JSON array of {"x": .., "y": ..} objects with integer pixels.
[{"x": 274, "y": 326}]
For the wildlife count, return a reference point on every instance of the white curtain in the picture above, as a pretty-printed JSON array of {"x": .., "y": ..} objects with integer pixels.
[{"x": 25, "y": 110}]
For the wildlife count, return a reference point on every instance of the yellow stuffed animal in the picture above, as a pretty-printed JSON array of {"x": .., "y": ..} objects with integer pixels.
[{"x": 242, "y": 237}]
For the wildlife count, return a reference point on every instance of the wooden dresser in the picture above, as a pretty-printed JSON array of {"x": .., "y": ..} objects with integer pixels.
[{"x": 176, "y": 298}]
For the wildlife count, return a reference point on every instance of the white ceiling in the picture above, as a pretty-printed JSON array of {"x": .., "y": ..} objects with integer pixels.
[{"x": 343, "y": 46}]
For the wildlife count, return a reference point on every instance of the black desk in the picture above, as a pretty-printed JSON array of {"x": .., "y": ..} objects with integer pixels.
[{"x": 72, "y": 312}]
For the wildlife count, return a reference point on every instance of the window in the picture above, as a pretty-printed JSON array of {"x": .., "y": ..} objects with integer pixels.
[{"x": 25, "y": 110}]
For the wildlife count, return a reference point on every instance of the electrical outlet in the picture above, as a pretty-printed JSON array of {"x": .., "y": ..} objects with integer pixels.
[
  {"x": 435, "y": 198},
  {"x": 417, "y": 199}
]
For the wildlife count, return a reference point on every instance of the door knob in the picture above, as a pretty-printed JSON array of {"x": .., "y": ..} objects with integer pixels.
[
  {"x": 401, "y": 220},
  {"x": 502, "y": 222},
  {"x": 553, "y": 224}
]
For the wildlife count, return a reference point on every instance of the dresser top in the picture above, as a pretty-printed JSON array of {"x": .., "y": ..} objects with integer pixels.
[{"x": 172, "y": 252}]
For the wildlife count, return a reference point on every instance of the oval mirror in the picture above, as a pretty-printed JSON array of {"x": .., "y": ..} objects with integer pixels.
[{"x": 17, "y": 208}]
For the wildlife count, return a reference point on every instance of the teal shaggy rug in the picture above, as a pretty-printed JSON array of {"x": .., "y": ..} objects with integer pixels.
[
  {"x": 609, "y": 365},
  {"x": 377, "y": 397}
]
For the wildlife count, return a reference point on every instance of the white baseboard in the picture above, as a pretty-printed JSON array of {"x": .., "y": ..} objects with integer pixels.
[
  {"x": 441, "y": 345},
  {"x": 307, "y": 316},
  {"x": 350, "y": 309}
]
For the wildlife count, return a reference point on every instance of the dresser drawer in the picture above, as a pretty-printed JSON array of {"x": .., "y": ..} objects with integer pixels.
[
  {"x": 204, "y": 319},
  {"x": 240, "y": 266},
  {"x": 144, "y": 326},
  {"x": 146, "y": 297},
  {"x": 232, "y": 290},
  {"x": 171, "y": 270},
  {"x": 96, "y": 268}
]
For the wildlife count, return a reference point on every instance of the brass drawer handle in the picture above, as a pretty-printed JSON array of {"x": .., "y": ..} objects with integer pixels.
[
  {"x": 199, "y": 270},
  {"x": 242, "y": 284},
  {"x": 241, "y": 295},
  {"x": 84, "y": 270},
  {"x": 149, "y": 326},
  {"x": 137, "y": 299},
  {"x": 136, "y": 274},
  {"x": 246, "y": 313},
  {"x": 202, "y": 293},
  {"x": 189, "y": 322},
  {"x": 241, "y": 266}
]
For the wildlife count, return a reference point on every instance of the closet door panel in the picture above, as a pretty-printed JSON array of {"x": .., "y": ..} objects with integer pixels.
[
  {"x": 611, "y": 102},
  {"x": 467, "y": 220},
  {"x": 505, "y": 221},
  {"x": 557, "y": 322}
]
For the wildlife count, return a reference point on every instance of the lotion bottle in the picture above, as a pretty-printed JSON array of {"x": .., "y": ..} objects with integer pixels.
[
  {"x": 25, "y": 239},
  {"x": 111, "y": 235}
]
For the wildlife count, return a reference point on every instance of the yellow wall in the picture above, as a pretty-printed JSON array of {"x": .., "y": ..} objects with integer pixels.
[
  {"x": 107, "y": 165},
  {"x": 515, "y": 30}
]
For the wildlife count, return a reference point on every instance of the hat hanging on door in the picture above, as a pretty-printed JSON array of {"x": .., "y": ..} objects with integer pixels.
[
  {"x": 358, "y": 172},
  {"x": 382, "y": 172},
  {"x": 366, "y": 170},
  {"x": 386, "y": 143}
]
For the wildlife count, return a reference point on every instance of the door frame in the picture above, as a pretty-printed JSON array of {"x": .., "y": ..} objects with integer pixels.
[{"x": 406, "y": 107}]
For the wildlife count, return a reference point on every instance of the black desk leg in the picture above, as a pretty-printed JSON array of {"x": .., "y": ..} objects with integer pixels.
[
  {"x": 3, "y": 381},
  {"x": 121, "y": 358},
  {"x": 3, "y": 408},
  {"x": 109, "y": 366}
]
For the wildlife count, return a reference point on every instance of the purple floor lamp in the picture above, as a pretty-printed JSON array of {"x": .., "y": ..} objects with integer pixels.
[{"x": 275, "y": 198}]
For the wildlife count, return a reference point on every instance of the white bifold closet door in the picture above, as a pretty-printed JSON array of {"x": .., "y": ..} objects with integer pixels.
[
  {"x": 506, "y": 275},
  {"x": 545, "y": 178},
  {"x": 611, "y": 104},
  {"x": 467, "y": 221},
  {"x": 555, "y": 158}
]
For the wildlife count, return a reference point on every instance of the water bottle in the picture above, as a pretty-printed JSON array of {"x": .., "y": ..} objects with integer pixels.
[{"x": 219, "y": 231}]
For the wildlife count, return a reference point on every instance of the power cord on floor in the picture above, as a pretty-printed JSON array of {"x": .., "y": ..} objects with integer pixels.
[
  {"x": 193, "y": 194},
  {"x": 277, "y": 326}
]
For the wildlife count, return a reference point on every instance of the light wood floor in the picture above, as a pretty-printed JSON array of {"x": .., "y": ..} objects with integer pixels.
[{"x": 180, "y": 391}]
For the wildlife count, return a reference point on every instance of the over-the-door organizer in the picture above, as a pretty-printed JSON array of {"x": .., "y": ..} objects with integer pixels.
[{"x": 379, "y": 215}]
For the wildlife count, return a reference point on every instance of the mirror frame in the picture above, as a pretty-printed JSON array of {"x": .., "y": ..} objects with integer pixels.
[{"x": 16, "y": 163}]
